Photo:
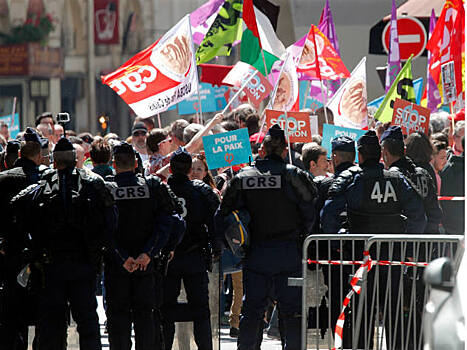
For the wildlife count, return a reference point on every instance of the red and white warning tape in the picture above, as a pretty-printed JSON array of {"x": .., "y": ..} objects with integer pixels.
[
  {"x": 355, "y": 283},
  {"x": 373, "y": 262},
  {"x": 447, "y": 198},
  {"x": 356, "y": 288}
]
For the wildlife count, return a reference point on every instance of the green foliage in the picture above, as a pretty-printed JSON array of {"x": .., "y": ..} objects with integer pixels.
[{"x": 34, "y": 29}]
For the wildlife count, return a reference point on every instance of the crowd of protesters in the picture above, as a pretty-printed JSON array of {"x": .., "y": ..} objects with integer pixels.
[{"x": 440, "y": 153}]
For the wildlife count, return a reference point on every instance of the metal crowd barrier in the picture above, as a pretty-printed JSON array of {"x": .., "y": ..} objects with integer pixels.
[{"x": 376, "y": 298}]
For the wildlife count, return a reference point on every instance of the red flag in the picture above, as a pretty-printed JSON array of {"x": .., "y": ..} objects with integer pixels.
[
  {"x": 249, "y": 18},
  {"x": 213, "y": 73},
  {"x": 328, "y": 65},
  {"x": 447, "y": 41}
]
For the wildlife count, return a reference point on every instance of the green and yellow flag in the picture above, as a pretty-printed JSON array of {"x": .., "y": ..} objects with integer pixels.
[
  {"x": 402, "y": 88},
  {"x": 225, "y": 30}
]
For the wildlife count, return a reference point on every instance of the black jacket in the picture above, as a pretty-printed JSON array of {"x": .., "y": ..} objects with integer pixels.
[
  {"x": 421, "y": 180},
  {"x": 452, "y": 184},
  {"x": 145, "y": 206},
  {"x": 279, "y": 197},
  {"x": 12, "y": 181},
  {"x": 199, "y": 203}
]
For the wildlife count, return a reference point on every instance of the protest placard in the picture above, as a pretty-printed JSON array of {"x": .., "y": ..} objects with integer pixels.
[
  {"x": 448, "y": 79},
  {"x": 227, "y": 149},
  {"x": 13, "y": 124},
  {"x": 332, "y": 131},
  {"x": 212, "y": 100},
  {"x": 410, "y": 117},
  {"x": 257, "y": 89},
  {"x": 298, "y": 124}
]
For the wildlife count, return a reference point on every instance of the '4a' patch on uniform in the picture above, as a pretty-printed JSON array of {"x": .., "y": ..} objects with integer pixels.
[
  {"x": 130, "y": 192},
  {"x": 261, "y": 182}
]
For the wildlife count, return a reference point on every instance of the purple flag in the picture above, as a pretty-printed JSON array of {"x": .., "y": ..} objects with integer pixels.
[
  {"x": 394, "y": 61},
  {"x": 326, "y": 26},
  {"x": 432, "y": 91},
  {"x": 202, "y": 18}
]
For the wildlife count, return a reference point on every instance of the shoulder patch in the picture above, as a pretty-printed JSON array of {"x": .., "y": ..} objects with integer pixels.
[
  {"x": 130, "y": 192},
  {"x": 260, "y": 182}
]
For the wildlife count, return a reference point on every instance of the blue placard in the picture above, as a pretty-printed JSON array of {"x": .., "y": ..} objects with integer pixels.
[
  {"x": 417, "y": 87},
  {"x": 227, "y": 149},
  {"x": 331, "y": 131},
  {"x": 376, "y": 102},
  {"x": 212, "y": 100},
  {"x": 13, "y": 125}
]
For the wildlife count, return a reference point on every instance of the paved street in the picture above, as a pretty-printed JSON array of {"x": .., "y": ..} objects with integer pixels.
[{"x": 227, "y": 343}]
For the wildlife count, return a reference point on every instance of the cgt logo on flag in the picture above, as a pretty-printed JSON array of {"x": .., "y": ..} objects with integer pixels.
[{"x": 159, "y": 76}]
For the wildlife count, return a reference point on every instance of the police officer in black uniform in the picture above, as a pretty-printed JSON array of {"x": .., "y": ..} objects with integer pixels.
[
  {"x": 145, "y": 207},
  {"x": 343, "y": 157},
  {"x": 192, "y": 256},
  {"x": 78, "y": 212},
  {"x": 376, "y": 201},
  {"x": 16, "y": 308},
  {"x": 392, "y": 146},
  {"x": 280, "y": 199}
]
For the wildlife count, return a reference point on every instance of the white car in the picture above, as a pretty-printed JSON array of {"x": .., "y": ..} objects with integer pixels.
[{"x": 445, "y": 310}]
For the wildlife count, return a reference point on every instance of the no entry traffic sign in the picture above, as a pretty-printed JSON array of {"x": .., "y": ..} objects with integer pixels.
[{"x": 412, "y": 37}]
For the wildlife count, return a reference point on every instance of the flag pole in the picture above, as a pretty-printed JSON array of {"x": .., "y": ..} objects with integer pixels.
[
  {"x": 323, "y": 96},
  {"x": 238, "y": 92},
  {"x": 266, "y": 69},
  {"x": 271, "y": 99},
  {"x": 307, "y": 94},
  {"x": 199, "y": 104},
  {"x": 318, "y": 71},
  {"x": 198, "y": 84},
  {"x": 159, "y": 120},
  {"x": 287, "y": 134}
]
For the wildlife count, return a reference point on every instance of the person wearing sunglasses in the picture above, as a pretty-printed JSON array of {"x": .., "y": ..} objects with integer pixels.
[
  {"x": 158, "y": 145},
  {"x": 139, "y": 133}
]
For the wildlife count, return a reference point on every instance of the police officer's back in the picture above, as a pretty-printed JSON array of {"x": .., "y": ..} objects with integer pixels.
[
  {"x": 377, "y": 200},
  {"x": 145, "y": 207},
  {"x": 280, "y": 199},
  {"x": 78, "y": 211},
  {"x": 192, "y": 256},
  {"x": 343, "y": 157},
  {"x": 392, "y": 145},
  {"x": 26, "y": 171}
]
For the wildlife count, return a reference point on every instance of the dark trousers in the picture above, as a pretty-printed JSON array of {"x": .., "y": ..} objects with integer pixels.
[
  {"x": 130, "y": 297},
  {"x": 191, "y": 268},
  {"x": 73, "y": 283},
  {"x": 265, "y": 274},
  {"x": 158, "y": 318},
  {"x": 15, "y": 312}
]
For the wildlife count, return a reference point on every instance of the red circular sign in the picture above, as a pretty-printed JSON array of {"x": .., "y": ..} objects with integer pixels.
[{"x": 412, "y": 37}]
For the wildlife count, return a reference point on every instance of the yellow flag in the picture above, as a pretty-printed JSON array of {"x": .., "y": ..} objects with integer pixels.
[{"x": 402, "y": 88}]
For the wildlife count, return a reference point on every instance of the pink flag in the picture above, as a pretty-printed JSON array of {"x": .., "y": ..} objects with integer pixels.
[
  {"x": 326, "y": 26},
  {"x": 432, "y": 91},
  {"x": 394, "y": 61}
]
